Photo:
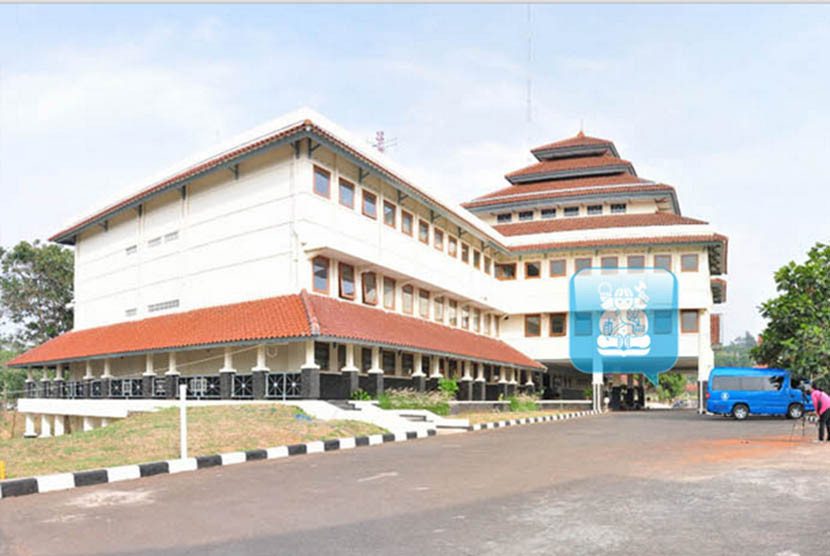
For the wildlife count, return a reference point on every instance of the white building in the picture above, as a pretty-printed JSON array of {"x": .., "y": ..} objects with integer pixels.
[{"x": 295, "y": 261}]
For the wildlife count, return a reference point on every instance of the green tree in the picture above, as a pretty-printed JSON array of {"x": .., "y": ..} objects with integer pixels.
[
  {"x": 797, "y": 336},
  {"x": 672, "y": 385},
  {"x": 12, "y": 381},
  {"x": 35, "y": 292},
  {"x": 737, "y": 353}
]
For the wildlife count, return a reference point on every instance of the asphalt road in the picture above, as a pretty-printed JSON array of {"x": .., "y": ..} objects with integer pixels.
[{"x": 637, "y": 483}]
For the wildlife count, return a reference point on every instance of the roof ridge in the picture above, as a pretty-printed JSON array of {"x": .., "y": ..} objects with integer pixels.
[{"x": 313, "y": 323}]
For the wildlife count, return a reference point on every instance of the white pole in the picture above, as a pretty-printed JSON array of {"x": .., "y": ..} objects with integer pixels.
[{"x": 183, "y": 420}]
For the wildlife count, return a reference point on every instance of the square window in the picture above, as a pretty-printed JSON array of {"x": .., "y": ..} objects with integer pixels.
[
  {"x": 504, "y": 218},
  {"x": 571, "y": 211},
  {"x": 423, "y": 231},
  {"x": 609, "y": 262},
  {"x": 618, "y": 208},
  {"x": 688, "y": 320},
  {"x": 388, "y": 293},
  {"x": 558, "y": 267},
  {"x": 688, "y": 262},
  {"x": 525, "y": 215},
  {"x": 370, "y": 204},
  {"x": 438, "y": 239},
  {"x": 452, "y": 247},
  {"x": 636, "y": 261},
  {"x": 662, "y": 261},
  {"x": 548, "y": 213},
  {"x": 347, "y": 288},
  {"x": 533, "y": 325},
  {"x": 558, "y": 324},
  {"x": 594, "y": 210},
  {"x": 423, "y": 303},
  {"x": 506, "y": 271},
  {"x": 407, "y": 298},
  {"x": 321, "y": 181},
  {"x": 320, "y": 275},
  {"x": 582, "y": 263},
  {"x": 346, "y": 194},
  {"x": 406, "y": 223},
  {"x": 533, "y": 269},
  {"x": 389, "y": 214},
  {"x": 370, "y": 288}
]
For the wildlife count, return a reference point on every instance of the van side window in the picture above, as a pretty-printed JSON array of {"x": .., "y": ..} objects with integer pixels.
[
  {"x": 726, "y": 383},
  {"x": 775, "y": 383}
]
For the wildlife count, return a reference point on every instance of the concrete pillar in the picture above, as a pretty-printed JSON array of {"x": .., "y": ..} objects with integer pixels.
[
  {"x": 350, "y": 372},
  {"x": 31, "y": 389},
  {"x": 375, "y": 374},
  {"x": 43, "y": 389},
  {"x": 310, "y": 386},
  {"x": 105, "y": 421},
  {"x": 45, "y": 426},
  {"x": 30, "y": 426},
  {"x": 398, "y": 363},
  {"x": 88, "y": 379},
  {"x": 479, "y": 384},
  {"x": 705, "y": 358},
  {"x": 418, "y": 377},
  {"x": 147, "y": 377},
  {"x": 503, "y": 384},
  {"x": 596, "y": 391},
  {"x": 89, "y": 423},
  {"x": 259, "y": 374},
  {"x": 106, "y": 376},
  {"x": 60, "y": 425},
  {"x": 171, "y": 378},
  {"x": 59, "y": 381},
  {"x": 435, "y": 371},
  {"x": 226, "y": 376},
  {"x": 465, "y": 385}
]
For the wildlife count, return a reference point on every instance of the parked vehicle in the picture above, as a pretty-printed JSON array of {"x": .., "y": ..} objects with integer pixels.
[{"x": 740, "y": 392}]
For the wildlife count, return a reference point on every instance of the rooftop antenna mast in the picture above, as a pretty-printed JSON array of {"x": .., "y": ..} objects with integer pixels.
[{"x": 382, "y": 143}]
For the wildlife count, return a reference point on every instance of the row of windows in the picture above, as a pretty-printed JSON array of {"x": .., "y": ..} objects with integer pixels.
[
  {"x": 426, "y": 232},
  {"x": 439, "y": 308},
  {"x": 558, "y": 323},
  {"x": 559, "y": 267},
  {"x": 154, "y": 242},
  {"x": 548, "y": 213}
]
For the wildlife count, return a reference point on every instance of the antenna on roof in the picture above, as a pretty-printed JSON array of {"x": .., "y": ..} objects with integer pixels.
[{"x": 382, "y": 143}]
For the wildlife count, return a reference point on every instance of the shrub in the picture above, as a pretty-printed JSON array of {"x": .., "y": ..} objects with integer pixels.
[
  {"x": 523, "y": 402},
  {"x": 361, "y": 395},
  {"x": 448, "y": 386},
  {"x": 407, "y": 398}
]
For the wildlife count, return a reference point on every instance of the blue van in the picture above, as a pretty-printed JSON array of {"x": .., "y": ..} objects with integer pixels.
[{"x": 740, "y": 391}]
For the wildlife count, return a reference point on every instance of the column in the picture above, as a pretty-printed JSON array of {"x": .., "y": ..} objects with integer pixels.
[
  {"x": 226, "y": 376},
  {"x": 89, "y": 423},
  {"x": 375, "y": 374},
  {"x": 529, "y": 384},
  {"x": 513, "y": 381},
  {"x": 503, "y": 383},
  {"x": 105, "y": 421},
  {"x": 30, "y": 426},
  {"x": 398, "y": 363},
  {"x": 418, "y": 376},
  {"x": 171, "y": 378},
  {"x": 30, "y": 384},
  {"x": 259, "y": 374},
  {"x": 60, "y": 425},
  {"x": 148, "y": 377},
  {"x": 350, "y": 372},
  {"x": 705, "y": 358},
  {"x": 106, "y": 377},
  {"x": 479, "y": 384},
  {"x": 88, "y": 378},
  {"x": 43, "y": 390},
  {"x": 310, "y": 373},
  {"x": 45, "y": 426},
  {"x": 465, "y": 385},
  {"x": 58, "y": 382},
  {"x": 596, "y": 389}
]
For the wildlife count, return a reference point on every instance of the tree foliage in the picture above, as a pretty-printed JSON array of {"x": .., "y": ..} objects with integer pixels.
[
  {"x": 797, "y": 336},
  {"x": 672, "y": 385},
  {"x": 737, "y": 353},
  {"x": 35, "y": 292}
]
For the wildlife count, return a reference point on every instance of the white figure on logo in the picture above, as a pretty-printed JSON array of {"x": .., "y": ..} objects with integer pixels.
[{"x": 624, "y": 325}]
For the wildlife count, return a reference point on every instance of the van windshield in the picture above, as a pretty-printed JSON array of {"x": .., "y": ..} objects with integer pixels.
[{"x": 752, "y": 383}]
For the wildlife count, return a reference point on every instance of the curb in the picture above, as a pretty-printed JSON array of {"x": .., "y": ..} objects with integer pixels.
[
  {"x": 64, "y": 481},
  {"x": 529, "y": 420}
]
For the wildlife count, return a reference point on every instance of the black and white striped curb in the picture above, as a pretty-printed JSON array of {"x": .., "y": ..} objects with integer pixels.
[
  {"x": 63, "y": 481},
  {"x": 529, "y": 420}
]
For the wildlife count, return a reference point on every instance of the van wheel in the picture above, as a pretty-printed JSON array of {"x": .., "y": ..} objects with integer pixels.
[
  {"x": 740, "y": 411},
  {"x": 795, "y": 411}
]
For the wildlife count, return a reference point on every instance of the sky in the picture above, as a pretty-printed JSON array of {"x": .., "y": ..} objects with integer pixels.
[{"x": 728, "y": 103}]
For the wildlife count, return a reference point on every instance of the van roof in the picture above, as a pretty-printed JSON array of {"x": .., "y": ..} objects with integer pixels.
[{"x": 744, "y": 371}]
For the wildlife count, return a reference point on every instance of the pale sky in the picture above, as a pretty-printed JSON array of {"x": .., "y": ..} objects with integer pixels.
[{"x": 728, "y": 103}]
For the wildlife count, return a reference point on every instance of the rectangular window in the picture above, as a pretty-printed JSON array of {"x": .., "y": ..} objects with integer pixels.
[
  {"x": 688, "y": 320},
  {"x": 320, "y": 275},
  {"x": 548, "y": 213},
  {"x": 155, "y": 242},
  {"x": 465, "y": 253},
  {"x": 506, "y": 271},
  {"x": 662, "y": 261},
  {"x": 594, "y": 210},
  {"x": 477, "y": 320},
  {"x": 636, "y": 261},
  {"x": 131, "y": 312},
  {"x": 387, "y": 361},
  {"x": 172, "y": 236},
  {"x": 571, "y": 211},
  {"x": 370, "y": 288},
  {"x": 558, "y": 324},
  {"x": 465, "y": 317},
  {"x": 406, "y": 223},
  {"x": 581, "y": 263},
  {"x": 477, "y": 259},
  {"x": 487, "y": 264},
  {"x": 346, "y": 194},
  {"x": 389, "y": 214},
  {"x": 663, "y": 322},
  {"x": 132, "y": 249},
  {"x": 423, "y": 303},
  {"x": 688, "y": 262},
  {"x": 533, "y": 325},
  {"x": 558, "y": 267},
  {"x": 388, "y": 293},
  {"x": 525, "y": 215},
  {"x": 609, "y": 263},
  {"x": 452, "y": 247},
  {"x": 370, "y": 204},
  {"x": 487, "y": 324},
  {"x": 533, "y": 269},
  {"x": 504, "y": 218},
  {"x": 407, "y": 294},
  {"x": 365, "y": 359},
  {"x": 452, "y": 312},
  {"x": 423, "y": 231},
  {"x": 321, "y": 181},
  {"x": 496, "y": 325},
  {"x": 347, "y": 289},
  {"x": 321, "y": 355},
  {"x": 618, "y": 208},
  {"x": 438, "y": 305},
  {"x": 162, "y": 306},
  {"x": 582, "y": 324},
  {"x": 438, "y": 239}
]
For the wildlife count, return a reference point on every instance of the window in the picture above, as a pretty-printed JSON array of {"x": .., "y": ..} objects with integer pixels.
[
  {"x": 438, "y": 239},
  {"x": 407, "y": 294},
  {"x": 533, "y": 270},
  {"x": 321, "y": 181},
  {"x": 346, "y": 194},
  {"x": 389, "y": 214},
  {"x": 487, "y": 324},
  {"x": 131, "y": 312},
  {"x": 525, "y": 215},
  {"x": 388, "y": 293},
  {"x": 558, "y": 267},
  {"x": 571, "y": 211},
  {"x": 506, "y": 271},
  {"x": 365, "y": 359},
  {"x": 153, "y": 307},
  {"x": 321, "y": 355},
  {"x": 496, "y": 325},
  {"x": 662, "y": 322},
  {"x": 477, "y": 259},
  {"x": 406, "y": 223},
  {"x": 346, "y": 281},
  {"x": 320, "y": 275},
  {"x": 423, "y": 303},
  {"x": 438, "y": 310},
  {"x": 617, "y": 208},
  {"x": 465, "y": 317},
  {"x": 504, "y": 218},
  {"x": 155, "y": 242},
  {"x": 558, "y": 324},
  {"x": 662, "y": 261},
  {"x": 387, "y": 361},
  {"x": 487, "y": 264},
  {"x": 370, "y": 204},
  {"x": 465, "y": 253},
  {"x": 533, "y": 325},
  {"x": 608, "y": 262},
  {"x": 452, "y": 312},
  {"x": 477, "y": 320},
  {"x": 594, "y": 209},
  {"x": 582, "y": 324},
  {"x": 688, "y": 320},
  {"x": 636, "y": 261},
  {"x": 423, "y": 231},
  {"x": 172, "y": 236},
  {"x": 370, "y": 288},
  {"x": 132, "y": 250},
  {"x": 688, "y": 263},
  {"x": 548, "y": 213},
  {"x": 581, "y": 263},
  {"x": 452, "y": 247}
]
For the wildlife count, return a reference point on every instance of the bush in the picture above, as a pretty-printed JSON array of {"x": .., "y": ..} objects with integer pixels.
[
  {"x": 407, "y": 398},
  {"x": 361, "y": 395},
  {"x": 523, "y": 402},
  {"x": 448, "y": 386}
]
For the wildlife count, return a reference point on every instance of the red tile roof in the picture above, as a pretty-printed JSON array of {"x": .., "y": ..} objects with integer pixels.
[
  {"x": 580, "y": 140},
  {"x": 626, "y": 242},
  {"x": 563, "y": 164},
  {"x": 595, "y": 222},
  {"x": 290, "y": 316},
  {"x": 561, "y": 185}
]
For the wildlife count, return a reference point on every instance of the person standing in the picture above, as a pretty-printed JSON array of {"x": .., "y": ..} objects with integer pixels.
[{"x": 821, "y": 401}]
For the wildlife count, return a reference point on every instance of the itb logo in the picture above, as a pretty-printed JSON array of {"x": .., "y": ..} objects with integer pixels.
[{"x": 624, "y": 320}]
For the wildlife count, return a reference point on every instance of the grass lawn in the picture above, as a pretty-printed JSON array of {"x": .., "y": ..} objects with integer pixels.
[
  {"x": 155, "y": 436},
  {"x": 476, "y": 417}
]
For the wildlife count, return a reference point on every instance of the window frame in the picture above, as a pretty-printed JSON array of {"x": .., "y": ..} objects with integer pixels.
[
  {"x": 577, "y": 262},
  {"x": 683, "y": 328},
  {"x": 404, "y": 217},
  {"x": 539, "y": 270},
  {"x": 616, "y": 210},
  {"x": 425, "y": 239},
  {"x": 349, "y": 185},
  {"x": 628, "y": 261},
  {"x": 421, "y": 312},
  {"x": 525, "y": 215},
  {"x": 394, "y": 292},
  {"x": 571, "y": 208},
  {"x": 671, "y": 260},
  {"x": 363, "y": 283},
  {"x": 496, "y": 267},
  {"x": 551, "y": 213},
  {"x": 504, "y": 218},
  {"x": 411, "y": 296},
  {"x": 328, "y": 274},
  {"x": 436, "y": 242},
  {"x": 438, "y": 306},
  {"x": 608, "y": 257},
  {"x": 394, "y": 208},
  {"x": 341, "y": 294},
  {"x": 476, "y": 260},
  {"x": 531, "y": 315},
  {"x": 564, "y": 332},
  {"x": 452, "y": 312},
  {"x": 697, "y": 262},
  {"x": 591, "y": 210},
  {"x": 465, "y": 317},
  {"x": 558, "y": 274},
  {"x": 364, "y": 194},
  {"x": 465, "y": 253},
  {"x": 321, "y": 170}
]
